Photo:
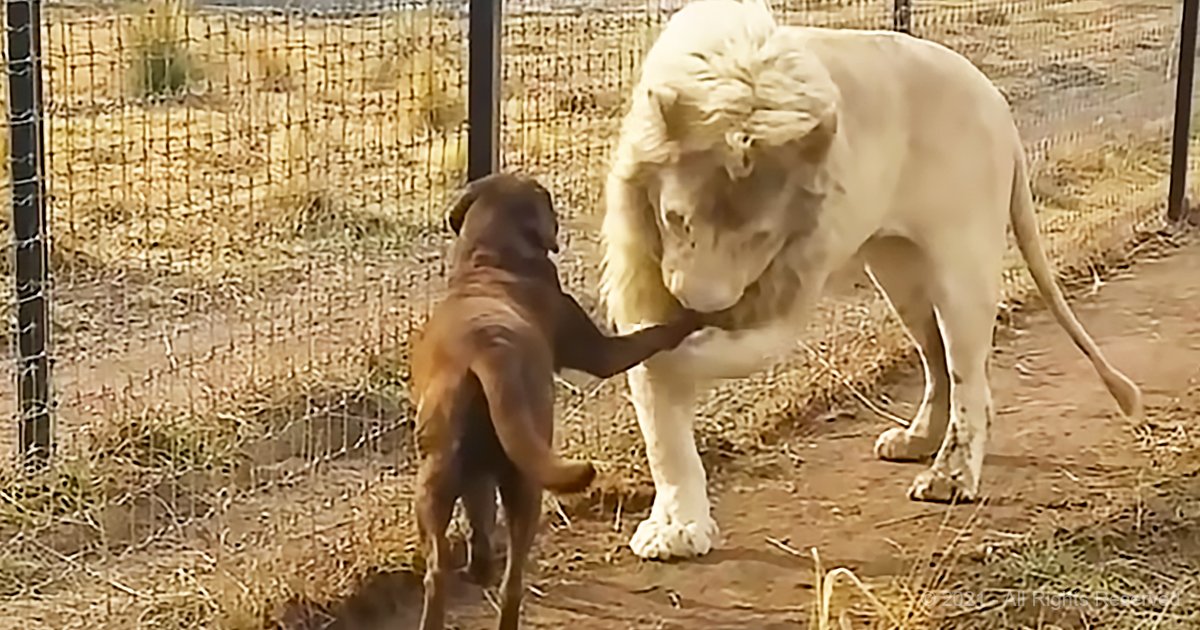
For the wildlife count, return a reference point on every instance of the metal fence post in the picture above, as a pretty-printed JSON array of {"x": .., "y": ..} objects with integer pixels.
[
  {"x": 902, "y": 16},
  {"x": 1181, "y": 134},
  {"x": 483, "y": 89},
  {"x": 29, "y": 230}
]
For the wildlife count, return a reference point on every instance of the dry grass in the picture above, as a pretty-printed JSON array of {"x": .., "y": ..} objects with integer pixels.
[
  {"x": 215, "y": 147},
  {"x": 162, "y": 477},
  {"x": 1131, "y": 562},
  {"x": 201, "y": 144},
  {"x": 1131, "y": 566},
  {"x": 210, "y": 146}
]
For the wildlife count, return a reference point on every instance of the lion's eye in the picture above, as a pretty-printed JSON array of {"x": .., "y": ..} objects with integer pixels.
[
  {"x": 674, "y": 219},
  {"x": 759, "y": 239}
]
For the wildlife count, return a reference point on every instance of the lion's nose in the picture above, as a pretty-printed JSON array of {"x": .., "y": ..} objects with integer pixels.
[{"x": 703, "y": 295}]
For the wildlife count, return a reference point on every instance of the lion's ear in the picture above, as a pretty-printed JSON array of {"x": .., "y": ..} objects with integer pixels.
[
  {"x": 662, "y": 101},
  {"x": 739, "y": 159},
  {"x": 816, "y": 144},
  {"x": 809, "y": 132},
  {"x": 777, "y": 127}
]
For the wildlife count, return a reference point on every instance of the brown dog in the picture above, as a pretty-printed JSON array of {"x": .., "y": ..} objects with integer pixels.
[{"x": 482, "y": 374}]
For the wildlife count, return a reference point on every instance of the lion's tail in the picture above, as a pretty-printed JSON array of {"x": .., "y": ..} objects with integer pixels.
[
  {"x": 1025, "y": 228},
  {"x": 514, "y": 405}
]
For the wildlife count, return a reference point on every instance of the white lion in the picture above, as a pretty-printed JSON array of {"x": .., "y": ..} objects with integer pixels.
[{"x": 757, "y": 162}]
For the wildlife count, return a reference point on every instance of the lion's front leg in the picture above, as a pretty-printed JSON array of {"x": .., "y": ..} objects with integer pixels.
[{"x": 679, "y": 524}]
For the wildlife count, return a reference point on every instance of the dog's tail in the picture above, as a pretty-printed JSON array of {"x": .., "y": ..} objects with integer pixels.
[{"x": 518, "y": 407}]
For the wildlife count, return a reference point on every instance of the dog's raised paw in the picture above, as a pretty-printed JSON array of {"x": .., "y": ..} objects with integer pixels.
[{"x": 660, "y": 538}]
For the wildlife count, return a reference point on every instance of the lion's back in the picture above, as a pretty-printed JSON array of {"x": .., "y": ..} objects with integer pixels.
[{"x": 886, "y": 78}]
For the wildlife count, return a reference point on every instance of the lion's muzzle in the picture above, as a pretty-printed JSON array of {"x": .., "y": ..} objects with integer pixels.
[{"x": 703, "y": 293}]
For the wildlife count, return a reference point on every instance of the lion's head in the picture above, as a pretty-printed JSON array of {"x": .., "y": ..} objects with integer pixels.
[{"x": 732, "y": 147}]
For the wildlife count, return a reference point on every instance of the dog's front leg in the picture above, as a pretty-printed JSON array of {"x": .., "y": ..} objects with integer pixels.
[{"x": 679, "y": 524}]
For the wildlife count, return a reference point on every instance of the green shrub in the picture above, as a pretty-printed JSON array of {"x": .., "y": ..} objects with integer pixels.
[{"x": 162, "y": 62}]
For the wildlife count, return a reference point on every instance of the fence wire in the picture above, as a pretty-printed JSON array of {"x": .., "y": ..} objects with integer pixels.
[{"x": 245, "y": 209}]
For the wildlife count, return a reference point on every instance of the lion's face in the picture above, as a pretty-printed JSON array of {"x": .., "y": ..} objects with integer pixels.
[{"x": 719, "y": 233}]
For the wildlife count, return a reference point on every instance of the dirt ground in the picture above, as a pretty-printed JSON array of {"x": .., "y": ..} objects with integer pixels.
[{"x": 1061, "y": 457}]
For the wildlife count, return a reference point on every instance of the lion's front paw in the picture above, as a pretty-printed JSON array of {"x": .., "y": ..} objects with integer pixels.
[
  {"x": 898, "y": 445},
  {"x": 701, "y": 338},
  {"x": 662, "y": 538},
  {"x": 938, "y": 486}
]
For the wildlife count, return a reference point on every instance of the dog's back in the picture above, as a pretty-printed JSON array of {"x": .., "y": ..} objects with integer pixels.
[{"x": 483, "y": 372}]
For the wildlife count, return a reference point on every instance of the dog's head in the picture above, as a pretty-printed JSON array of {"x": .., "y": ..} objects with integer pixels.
[{"x": 506, "y": 206}]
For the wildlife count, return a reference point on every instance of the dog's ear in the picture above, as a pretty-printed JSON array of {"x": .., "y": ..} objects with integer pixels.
[
  {"x": 456, "y": 213},
  {"x": 547, "y": 220}
]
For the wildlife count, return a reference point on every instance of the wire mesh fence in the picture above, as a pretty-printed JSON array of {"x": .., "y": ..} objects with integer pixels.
[{"x": 245, "y": 210}]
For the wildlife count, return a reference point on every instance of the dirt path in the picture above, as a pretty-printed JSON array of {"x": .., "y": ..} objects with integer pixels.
[{"x": 1060, "y": 452}]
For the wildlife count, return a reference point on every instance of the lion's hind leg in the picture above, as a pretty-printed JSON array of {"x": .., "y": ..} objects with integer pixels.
[
  {"x": 901, "y": 272},
  {"x": 965, "y": 289}
]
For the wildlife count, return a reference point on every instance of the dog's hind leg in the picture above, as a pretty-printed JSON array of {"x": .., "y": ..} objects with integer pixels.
[
  {"x": 523, "y": 508},
  {"x": 479, "y": 502},
  {"x": 434, "y": 507}
]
